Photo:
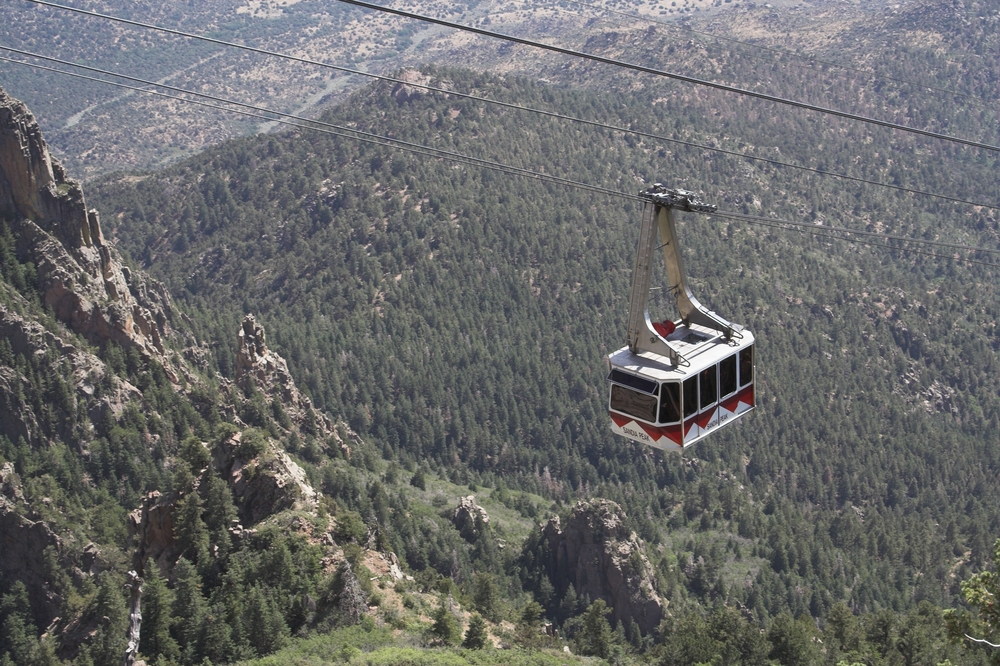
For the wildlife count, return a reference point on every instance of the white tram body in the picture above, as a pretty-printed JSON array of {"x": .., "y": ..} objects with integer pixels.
[
  {"x": 670, "y": 407},
  {"x": 676, "y": 382}
]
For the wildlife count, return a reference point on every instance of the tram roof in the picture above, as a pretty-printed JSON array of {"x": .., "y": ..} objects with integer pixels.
[{"x": 700, "y": 345}]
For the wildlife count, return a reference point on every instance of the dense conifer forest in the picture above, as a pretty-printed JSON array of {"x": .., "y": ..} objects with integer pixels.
[{"x": 457, "y": 319}]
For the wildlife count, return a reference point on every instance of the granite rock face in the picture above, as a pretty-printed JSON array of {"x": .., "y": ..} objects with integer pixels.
[
  {"x": 604, "y": 560},
  {"x": 260, "y": 368},
  {"x": 29, "y": 338},
  {"x": 470, "y": 518},
  {"x": 80, "y": 276},
  {"x": 24, "y": 540}
]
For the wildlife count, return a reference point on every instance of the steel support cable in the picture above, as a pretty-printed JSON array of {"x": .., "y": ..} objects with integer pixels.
[
  {"x": 866, "y": 73},
  {"x": 556, "y": 115},
  {"x": 487, "y": 100},
  {"x": 337, "y": 130},
  {"x": 367, "y": 137},
  {"x": 856, "y": 232},
  {"x": 576, "y": 54},
  {"x": 670, "y": 75},
  {"x": 883, "y": 246}
]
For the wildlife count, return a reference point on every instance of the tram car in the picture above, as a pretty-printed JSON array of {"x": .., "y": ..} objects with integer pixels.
[{"x": 676, "y": 382}]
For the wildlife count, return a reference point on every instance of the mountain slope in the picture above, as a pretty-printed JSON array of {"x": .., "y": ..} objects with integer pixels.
[{"x": 460, "y": 317}]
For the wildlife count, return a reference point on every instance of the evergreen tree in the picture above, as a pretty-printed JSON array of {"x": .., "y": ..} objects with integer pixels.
[
  {"x": 266, "y": 627},
  {"x": 596, "y": 639},
  {"x": 445, "y": 627},
  {"x": 476, "y": 635},
  {"x": 486, "y": 597},
  {"x": 568, "y": 606},
  {"x": 217, "y": 635},
  {"x": 108, "y": 644},
  {"x": 189, "y": 609},
  {"x": 157, "y": 616},
  {"x": 792, "y": 641},
  {"x": 220, "y": 511},
  {"x": 191, "y": 531},
  {"x": 18, "y": 642}
]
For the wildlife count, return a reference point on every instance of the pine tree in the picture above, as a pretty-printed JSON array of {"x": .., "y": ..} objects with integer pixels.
[
  {"x": 17, "y": 631},
  {"x": 486, "y": 597},
  {"x": 191, "y": 531},
  {"x": 568, "y": 605},
  {"x": 108, "y": 644},
  {"x": 596, "y": 638},
  {"x": 476, "y": 635},
  {"x": 445, "y": 628},
  {"x": 220, "y": 511},
  {"x": 157, "y": 618},
  {"x": 266, "y": 627},
  {"x": 189, "y": 609}
]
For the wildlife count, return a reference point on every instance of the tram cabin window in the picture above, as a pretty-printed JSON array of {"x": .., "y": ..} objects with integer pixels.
[
  {"x": 691, "y": 396},
  {"x": 727, "y": 376},
  {"x": 627, "y": 401},
  {"x": 644, "y": 385},
  {"x": 670, "y": 402},
  {"x": 746, "y": 366},
  {"x": 709, "y": 387}
]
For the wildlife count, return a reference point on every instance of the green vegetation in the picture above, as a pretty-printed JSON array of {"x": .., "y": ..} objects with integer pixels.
[{"x": 457, "y": 319}]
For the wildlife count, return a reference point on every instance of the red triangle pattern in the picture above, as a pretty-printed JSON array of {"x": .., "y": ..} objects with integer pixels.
[
  {"x": 619, "y": 419},
  {"x": 703, "y": 419},
  {"x": 745, "y": 396},
  {"x": 673, "y": 433}
]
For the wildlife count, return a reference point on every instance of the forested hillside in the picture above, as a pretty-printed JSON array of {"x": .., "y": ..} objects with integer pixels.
[
  {"x": 437, "y": 329},
  {"x": 458, "y": 318}
]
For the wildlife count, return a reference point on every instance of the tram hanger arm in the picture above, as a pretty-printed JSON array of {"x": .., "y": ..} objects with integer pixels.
[{"x": 660, "y": 203}]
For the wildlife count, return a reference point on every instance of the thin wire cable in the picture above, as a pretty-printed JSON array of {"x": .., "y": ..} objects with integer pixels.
[
  {"x": 883, "y": 246},
  {"x": 337, "y": 130},
  {"x": 866, "y": 73},
  {"x": 487, "y": 100},
  {"x": 367, "y": 137},
  {"x": 587, "y": 56},
  {"x": 670, "y": 75},
  {"x": 858, "y": 232}
]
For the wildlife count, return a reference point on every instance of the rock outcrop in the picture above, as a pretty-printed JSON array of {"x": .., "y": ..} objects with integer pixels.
[
  {"x": 260, "y": 368},
  {"x": 470, "y": 519},
  {"x": 264, "y": 484},
  {"x": 23, "y": 541},
  {"x": 604, "y": 560},
  {"x": 29, "y": 338},
  {"x": 80, "y": 276},
  {"x": 403, "y": 92},
  {"x": 152, "y": 527}
]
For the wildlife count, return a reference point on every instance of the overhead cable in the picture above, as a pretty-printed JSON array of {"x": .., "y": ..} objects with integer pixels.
[
  {"x": 487, "y": 100},
  {"x": 329, "y": 128},
  {"x": 890, "y": 248},
  {"x": 829, "y": 63},
  {"x": 856, "y": 232},
  {"x": 663, "y": 73},
  {"x": 261, "y": 113}
]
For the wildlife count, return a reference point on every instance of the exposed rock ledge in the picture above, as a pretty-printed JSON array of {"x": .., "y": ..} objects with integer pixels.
[
  {"x": 80, "y": 275},
  {"x": 604, "y": 560}
]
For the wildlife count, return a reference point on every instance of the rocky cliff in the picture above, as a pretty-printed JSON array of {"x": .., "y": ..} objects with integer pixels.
[
  {"x": 80, "y": 276},
  {"x": 259, "y": 368},
  {"x": 24, "y": 539},
  {"x": 603, "y": 559},
  {"x": 91, "y": 402}
]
